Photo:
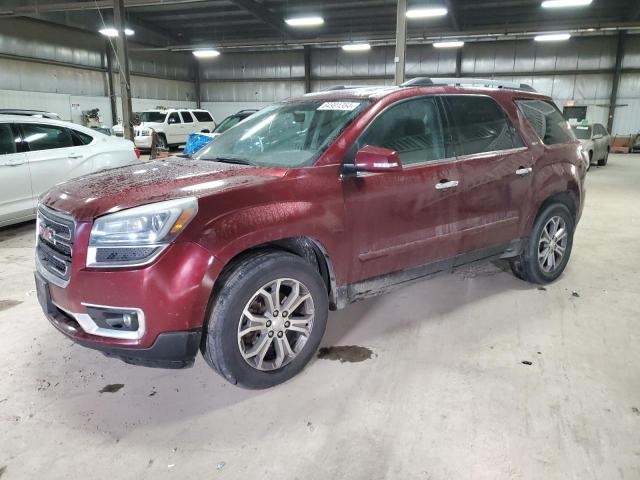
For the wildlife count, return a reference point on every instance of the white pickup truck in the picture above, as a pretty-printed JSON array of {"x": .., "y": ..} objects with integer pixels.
[{"x": 172, "y": 125}]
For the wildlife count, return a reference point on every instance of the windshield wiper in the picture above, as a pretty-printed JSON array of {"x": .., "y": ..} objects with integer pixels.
[{"x": 238, "y": 161}]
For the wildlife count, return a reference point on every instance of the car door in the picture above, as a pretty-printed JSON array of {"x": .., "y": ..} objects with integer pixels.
[
  {"x": 188, "y": 125},
  {"x": 495, "y": 170},
  {"x": 52, "y": 155},
  {"x": 410, "y": 217},
  {"x": 174, "y": 130},
  {"x": 16, "y": 199},
  {"x": 601, "y": 141}
]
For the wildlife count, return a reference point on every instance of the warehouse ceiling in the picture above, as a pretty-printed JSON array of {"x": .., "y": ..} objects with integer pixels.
[{"x": 245, "y": 23}]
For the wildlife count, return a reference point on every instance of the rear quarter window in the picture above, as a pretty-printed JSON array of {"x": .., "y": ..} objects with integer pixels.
[
  {"x": 203, "y": 116},
  {"x": 80, "y": 138},
  {"x": 547, "y": 121}
]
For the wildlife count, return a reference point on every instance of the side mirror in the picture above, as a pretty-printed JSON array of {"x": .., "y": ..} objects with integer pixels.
[
  {"x": 375, "y": 159},
  {"x": 597, "y": 137}
]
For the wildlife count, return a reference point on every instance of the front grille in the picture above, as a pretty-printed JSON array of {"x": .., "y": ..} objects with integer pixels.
[{"x": 54, "y": 248}]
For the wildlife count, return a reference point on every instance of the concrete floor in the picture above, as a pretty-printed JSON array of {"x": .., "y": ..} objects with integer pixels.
[{"x": 446, "y": 394}]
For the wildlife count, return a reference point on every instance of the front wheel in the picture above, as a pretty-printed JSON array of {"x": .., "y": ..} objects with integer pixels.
[
  {"x": 603, "y": 161},
  {"x": 548, "y": 248},
  {"x": 267, "y": 320}
]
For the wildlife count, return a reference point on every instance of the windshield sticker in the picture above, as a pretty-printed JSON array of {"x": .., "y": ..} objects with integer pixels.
[
  {"x": 342, "y": 106},
  {"x": 582, "y": 128}
]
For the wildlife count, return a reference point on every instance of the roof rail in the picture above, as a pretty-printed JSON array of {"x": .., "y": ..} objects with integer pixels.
[
  {"x": 345, "y": 87},
  {"x": 481, "y": 82}
]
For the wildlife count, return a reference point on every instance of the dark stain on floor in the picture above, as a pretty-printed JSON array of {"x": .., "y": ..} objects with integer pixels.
[
  {"x": 7, "y": 304},
  {"x": 346, "y": 353},
  {"x": 112, "y": 388},
  {"x": 2, "y": 470}
]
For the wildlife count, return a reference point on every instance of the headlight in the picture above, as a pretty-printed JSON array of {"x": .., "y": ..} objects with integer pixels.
[{"x": 136, "y": 236}]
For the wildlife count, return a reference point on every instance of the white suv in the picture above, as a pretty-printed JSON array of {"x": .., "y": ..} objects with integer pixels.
[{"x": 172, "y": 125}]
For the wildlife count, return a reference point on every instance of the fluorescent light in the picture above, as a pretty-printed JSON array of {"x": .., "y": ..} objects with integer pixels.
[
  {"x": 449, "y": 44},
  {"x": 208, "y": 53},
  {"x": 553, "y": 37},
  {"x": 356, "y": 47},
  {"x": 426, "y": 12},
  {"x": 305, "y": 21},
  {"x": 109, "y": 32},
  {"x": 565, "y": 3},
  {"x": 113, "y": 32}
]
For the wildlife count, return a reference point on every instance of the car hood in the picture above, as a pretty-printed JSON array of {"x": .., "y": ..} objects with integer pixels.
[{"x": 112, "y": 190}]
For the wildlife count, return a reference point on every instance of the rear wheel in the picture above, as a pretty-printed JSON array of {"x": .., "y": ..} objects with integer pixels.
[
  {"x": 548, "y": 248},
  {"x": 267, "y": 320}
]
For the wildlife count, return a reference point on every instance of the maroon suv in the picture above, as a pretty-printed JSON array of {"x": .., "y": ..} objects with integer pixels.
[{"x": 306, "y": 206}]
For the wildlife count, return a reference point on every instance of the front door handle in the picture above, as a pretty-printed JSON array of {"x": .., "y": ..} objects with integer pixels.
[
  {"x": 444, "y": 185},
  {"x": 524, "y": 171},
  {"x": 14, "y": 163},
  {"x": 76, "y": 155}
]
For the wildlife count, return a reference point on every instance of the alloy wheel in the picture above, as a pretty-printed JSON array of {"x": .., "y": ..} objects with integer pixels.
[
  {"x": 276, "y": 324},
  {"x": 552, "y": 244}
]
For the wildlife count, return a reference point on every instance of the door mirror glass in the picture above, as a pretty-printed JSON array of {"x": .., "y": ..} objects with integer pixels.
[{"x": 377, "y": 159}]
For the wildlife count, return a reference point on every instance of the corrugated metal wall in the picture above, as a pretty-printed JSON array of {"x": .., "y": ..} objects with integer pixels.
[
  {"x": 28, "y": 81},
  {"x": 580, "y": 70}
]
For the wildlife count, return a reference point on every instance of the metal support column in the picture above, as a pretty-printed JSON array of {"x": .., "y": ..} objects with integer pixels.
[
  {"x": 307, "y": 69},
  {"x": 123, "y": 68},
  {"x": 459, "y": 63},
  {"x": 197, "y": 84},
  {"x": 401, "y": 41},
  {"x": 111, "y": 89},
  {"x": 616, "y": 78}
]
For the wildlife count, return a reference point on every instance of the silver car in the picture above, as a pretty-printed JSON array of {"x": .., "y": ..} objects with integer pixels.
[{"x": 595, "y": 140}]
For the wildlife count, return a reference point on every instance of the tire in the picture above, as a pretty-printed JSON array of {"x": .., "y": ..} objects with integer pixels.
[
  {"x": 527, "y": 265},
  {"x": 603, "y": 162},
  {"x": 240, "y": 291}
]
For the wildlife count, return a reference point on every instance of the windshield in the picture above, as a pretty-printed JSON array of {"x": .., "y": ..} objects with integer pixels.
[
  {"x": 227, "y": 123},
  {"x": 153, "y": 117},
  {"x": 285, "y": 134},
  {"x": 582, "y": 132}
]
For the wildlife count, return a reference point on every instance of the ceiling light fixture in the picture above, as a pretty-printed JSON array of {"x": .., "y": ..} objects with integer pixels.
[
  {"x": 553, "y": 37},
  {"x": 449, "y": 44},
  {"x": 356, "y": 47},
  {"x": 208, "y": 53},
  {"x": 304, "y": 21},
  {"x": 565, "y": 3},
  {"x": 429, "y": 12},
  {"x": 113, "y": 32}
]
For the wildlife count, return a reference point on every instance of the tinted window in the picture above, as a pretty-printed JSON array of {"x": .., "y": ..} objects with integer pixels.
[
  {"x": 227, "y": 123},
  {"x": 153, "y": 117},
  {"x": 582, "y": 132},
  {"x": 547, "y": 121},
  {"x": 600, "y": 130},
  {"x": 174, "y": 118},
  {"x": 7, "y": 139},
  {"x": 479, "y": 125},
  {"x": 186, "y": 117},
  {"x": 203, "y": 116},
  {"x": 46, "y": 137},
  {"x": 80, "y": 138},
  {"x": 412, "y": 128}
]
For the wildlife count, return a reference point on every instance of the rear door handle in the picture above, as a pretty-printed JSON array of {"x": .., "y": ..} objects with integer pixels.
[
  {"x": 444, "y": 185},
  {"x": 524, "y": 171},
  {"x": 76, "y": 155}
]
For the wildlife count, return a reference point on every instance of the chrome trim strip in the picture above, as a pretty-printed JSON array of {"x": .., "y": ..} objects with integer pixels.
[
  {"x": 89, "y": 326},
  {"x": 93, "y": 251}
]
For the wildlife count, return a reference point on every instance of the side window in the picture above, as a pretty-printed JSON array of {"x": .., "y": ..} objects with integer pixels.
[
  {"x": 480, "y": 125},
  {"x": 600, "y": 130},
  {"x": 547, "y": 121},
  {"x": 46, "y": 137},
  {"x": 174, "y": 118},
  {"x": 203, "y": 116},
  {"x": 412, "y": 128},
  {"x": 80, "y": 138},
  {"x": 7, "y": 139},
  {"x": 186, "y": 117}
]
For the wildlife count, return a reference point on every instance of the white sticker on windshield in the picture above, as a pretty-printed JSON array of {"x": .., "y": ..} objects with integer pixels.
[
  {"x": 582, "y": 128},
  {"x": 343, "y": 106}
]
